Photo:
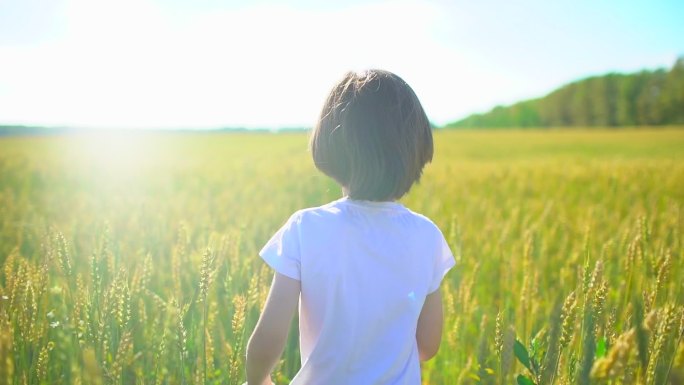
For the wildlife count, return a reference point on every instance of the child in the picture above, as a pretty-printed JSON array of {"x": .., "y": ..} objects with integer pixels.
[{"x": 364, "y": 269}]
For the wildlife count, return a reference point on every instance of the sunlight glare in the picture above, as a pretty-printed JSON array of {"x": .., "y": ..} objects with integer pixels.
[{"x": 114, "y": 156}]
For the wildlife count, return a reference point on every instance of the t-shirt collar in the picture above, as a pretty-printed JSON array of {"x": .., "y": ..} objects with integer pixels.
[{"x": 371, "y": 204}]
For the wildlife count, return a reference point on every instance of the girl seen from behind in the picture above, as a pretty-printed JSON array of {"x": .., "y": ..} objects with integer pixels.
[{"x": 364, "y": 270}]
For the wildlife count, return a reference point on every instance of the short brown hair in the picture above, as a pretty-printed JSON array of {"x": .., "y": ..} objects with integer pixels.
[{"x": 373, "y": 136}]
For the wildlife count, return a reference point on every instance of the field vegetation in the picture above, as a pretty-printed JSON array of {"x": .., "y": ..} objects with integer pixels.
[{"x": 132, "y": 258}]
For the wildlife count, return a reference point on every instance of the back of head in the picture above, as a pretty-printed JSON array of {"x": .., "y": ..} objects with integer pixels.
[{"x": 373, "y": 136}]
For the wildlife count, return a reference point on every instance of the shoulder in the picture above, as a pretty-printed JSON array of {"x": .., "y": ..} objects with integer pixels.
[
  {"x": 316, "y": 213},
  {"x": 328, "y": 209},
  {"x": 424, "y": 222}
]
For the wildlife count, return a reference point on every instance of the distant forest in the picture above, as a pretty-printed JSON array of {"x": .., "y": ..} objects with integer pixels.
[{"x": 642, "y": 98}]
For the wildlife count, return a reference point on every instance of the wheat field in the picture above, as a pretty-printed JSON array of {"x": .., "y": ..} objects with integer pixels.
[{"x": 131, "y": 258}]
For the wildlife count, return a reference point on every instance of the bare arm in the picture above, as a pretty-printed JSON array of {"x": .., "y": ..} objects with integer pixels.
[
  {"x": 429, "y": 332},
  {"x": 270, "y": 334}
]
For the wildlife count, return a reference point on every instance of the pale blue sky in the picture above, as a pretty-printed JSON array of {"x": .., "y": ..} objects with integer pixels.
[{"x": 208, "y": 63}]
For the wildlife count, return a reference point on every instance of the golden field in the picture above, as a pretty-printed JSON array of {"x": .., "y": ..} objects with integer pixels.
[{"x": 131, "y": 258}]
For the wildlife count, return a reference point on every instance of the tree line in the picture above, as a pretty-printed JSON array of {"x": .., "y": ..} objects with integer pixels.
[{"x": 644, "y": 98}]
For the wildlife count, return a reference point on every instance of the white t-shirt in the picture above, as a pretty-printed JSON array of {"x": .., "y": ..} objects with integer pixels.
[{"x": 365, "y": 269}]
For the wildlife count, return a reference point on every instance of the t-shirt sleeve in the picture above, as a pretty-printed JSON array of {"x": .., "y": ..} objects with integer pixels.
[
  {"x": 443, "y": 262},
  {"x": 282, "y": 252}
]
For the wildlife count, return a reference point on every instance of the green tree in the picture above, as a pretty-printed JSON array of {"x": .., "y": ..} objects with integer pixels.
[{"x": 642, "y": 98}]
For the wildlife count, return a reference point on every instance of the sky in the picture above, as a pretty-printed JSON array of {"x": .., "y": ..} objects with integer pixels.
[{"x": 270, "y": 64}]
